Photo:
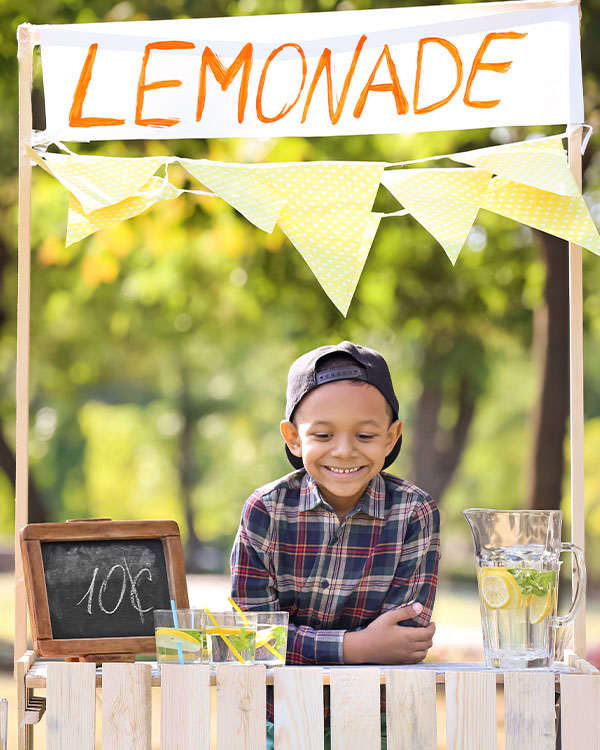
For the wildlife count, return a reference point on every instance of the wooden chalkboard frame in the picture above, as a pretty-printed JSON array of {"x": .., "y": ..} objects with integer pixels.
[{"x": 31, "y": 538}]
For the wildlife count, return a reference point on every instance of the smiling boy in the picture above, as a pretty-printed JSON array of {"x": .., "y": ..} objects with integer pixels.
[{"x": 339, "y": 543}]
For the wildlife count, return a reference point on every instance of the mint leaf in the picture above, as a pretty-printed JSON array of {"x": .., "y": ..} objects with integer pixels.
[
  {"x": 243, "y": 641},
  {"x": 536, "y": 582},
  {"x": 280, "y": 637}
]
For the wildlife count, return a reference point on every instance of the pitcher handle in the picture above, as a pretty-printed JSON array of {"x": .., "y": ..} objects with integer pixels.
[{"x": 579, "y": 582}]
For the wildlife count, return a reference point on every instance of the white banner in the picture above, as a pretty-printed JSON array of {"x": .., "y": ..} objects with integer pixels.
[{"x": 313, "y": 74}]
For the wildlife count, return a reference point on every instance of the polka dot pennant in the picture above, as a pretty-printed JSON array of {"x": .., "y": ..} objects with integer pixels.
[
  {"x": 325, "y": 186},
  {"x": 100, "y": 181},
  {"x": 323, "y": 208},
  {"x": 259, "y": 191},
  {"x": 335, "y": 244},
  {"x": 563, "y": 216},
  {"x": 243, "y": 186},
  {"x": 540, "y": 163},
  {"x": 81, "y": 225},
  {"x": 444, "y": 201}
]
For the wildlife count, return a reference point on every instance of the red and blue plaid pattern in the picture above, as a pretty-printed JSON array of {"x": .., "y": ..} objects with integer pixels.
[{"x": 292, "y": 553}]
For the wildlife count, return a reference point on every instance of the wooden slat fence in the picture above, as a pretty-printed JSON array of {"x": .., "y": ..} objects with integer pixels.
[{"x": 530, "y": 719}]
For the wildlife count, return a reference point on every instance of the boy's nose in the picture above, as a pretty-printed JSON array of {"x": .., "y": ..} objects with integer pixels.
[{"x": 343, "y": 446}]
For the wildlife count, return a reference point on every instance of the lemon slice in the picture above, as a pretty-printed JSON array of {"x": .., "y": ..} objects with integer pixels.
[
  {"x": 264, "y": 636},
  {"x": 521, "y": 612},
  {"x": 223, "y": 630},
  {"x": 539, "y": 607},
  {"x": 171, "y": 638},
  {"x": 499, "y": 589}
]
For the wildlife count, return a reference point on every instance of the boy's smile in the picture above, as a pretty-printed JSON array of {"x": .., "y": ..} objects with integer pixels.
[{"x": 343, "y": 433}]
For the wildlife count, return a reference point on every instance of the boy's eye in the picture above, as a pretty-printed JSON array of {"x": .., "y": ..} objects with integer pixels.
[
  {"x": 365, "y": 436},
  {"x": 322, "y": 435}
]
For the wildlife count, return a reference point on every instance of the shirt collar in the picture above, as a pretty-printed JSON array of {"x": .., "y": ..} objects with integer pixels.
[{"x": 372, "y": 502}]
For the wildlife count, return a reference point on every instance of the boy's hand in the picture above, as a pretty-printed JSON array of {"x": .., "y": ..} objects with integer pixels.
[{"x": 384, "y": 642}]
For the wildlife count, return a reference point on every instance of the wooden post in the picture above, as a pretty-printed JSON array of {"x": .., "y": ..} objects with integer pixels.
[
  {"x": 576, "y": 395},
  {"x": 27, "y": 40}
]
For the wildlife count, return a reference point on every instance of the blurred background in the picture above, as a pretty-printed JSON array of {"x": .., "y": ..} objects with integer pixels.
[{"x": 160, "y": 346}]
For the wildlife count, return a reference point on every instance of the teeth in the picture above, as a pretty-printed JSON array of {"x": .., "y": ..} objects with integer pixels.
[{"x": 343, "y": 471}]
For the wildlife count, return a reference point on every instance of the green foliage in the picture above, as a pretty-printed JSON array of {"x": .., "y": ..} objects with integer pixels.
[{"x": 160, "y": 346}]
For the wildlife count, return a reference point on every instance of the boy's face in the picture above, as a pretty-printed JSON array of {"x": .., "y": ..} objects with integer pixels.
[{"x": 343, "y": 433}]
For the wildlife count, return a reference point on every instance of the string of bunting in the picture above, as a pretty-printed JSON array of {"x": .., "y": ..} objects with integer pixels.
[{"x": 325, "y": 208}]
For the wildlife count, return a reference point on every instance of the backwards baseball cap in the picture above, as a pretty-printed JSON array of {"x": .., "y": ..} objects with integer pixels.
[{"x": 369, "y": 366}]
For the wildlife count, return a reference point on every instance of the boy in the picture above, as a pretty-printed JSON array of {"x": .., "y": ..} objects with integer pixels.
[{"x": 339, "y": 544}]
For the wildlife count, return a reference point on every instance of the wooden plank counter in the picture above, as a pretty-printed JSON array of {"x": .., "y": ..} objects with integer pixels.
[{"x": 464, "y": 693}]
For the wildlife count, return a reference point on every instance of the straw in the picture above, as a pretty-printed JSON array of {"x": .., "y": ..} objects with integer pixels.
[
  {"x": 245, "y": 619},
  {"x": 230, "y": 645},
  {"x": 176, "y": 625}
]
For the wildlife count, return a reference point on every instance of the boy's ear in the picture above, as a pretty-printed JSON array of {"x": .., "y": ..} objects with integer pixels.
[
  {"x": 290, "y": 434},
  {"x": 394, "y": 432}
]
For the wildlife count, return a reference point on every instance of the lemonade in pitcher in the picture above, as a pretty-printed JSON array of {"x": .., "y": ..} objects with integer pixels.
[
  {"x": 516, "y": 606},
  {"x": 517, "y": 553}
]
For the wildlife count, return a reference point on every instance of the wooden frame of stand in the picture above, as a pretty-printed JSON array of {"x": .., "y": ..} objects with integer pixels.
[{"x": 581, "y": 697}]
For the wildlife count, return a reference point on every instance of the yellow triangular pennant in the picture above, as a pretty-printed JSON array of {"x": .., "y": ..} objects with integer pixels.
[
  {"x": 563, "y": 216},
  {"x": 444, "y": 201},
  {"x": 327, "y": 186},
  {"x": 335, "y": 244},
  {"x": 540, "y": 163},
  {"x": 243, "y": 186},
  {"x": 259, "y": 191},
  {"x": 100, "y": 181},
  {"x": 81, "y": 225}
]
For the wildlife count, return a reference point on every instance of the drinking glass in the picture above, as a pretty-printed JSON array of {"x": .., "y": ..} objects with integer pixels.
[
  {"x": 231, "y": 637},
  {"x": 271, "y": 638},
  {"x": 181, "y": 643}
]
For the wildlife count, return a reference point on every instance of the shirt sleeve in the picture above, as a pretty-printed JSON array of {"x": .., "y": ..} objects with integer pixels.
[
  {"x": 254, "y": 587},
  {"x": 415, "y": 577}
]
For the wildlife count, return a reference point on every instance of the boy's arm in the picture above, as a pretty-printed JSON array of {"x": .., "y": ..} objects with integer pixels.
[
  {"x": 254, "y": 587},
  {"x": 415, "y": 578},
  {"x": 401, "y": 634}
]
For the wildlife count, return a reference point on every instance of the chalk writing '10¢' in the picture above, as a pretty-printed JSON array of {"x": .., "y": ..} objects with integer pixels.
[{"x": 128, "y": 578}]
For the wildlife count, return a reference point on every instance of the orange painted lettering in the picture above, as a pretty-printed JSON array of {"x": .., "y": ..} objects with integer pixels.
[
  {"x": 224, "y": 76},
  {"x": 325, "y": 64},
  {"x": 500, "y": 67},
  {"x": 394, "y": 86},
  {"x": 76, "y": 120},
  {"x": 156, "y": 122},
  {"x": 459, "y": 74},
  {"x": 259, "y": 113}
]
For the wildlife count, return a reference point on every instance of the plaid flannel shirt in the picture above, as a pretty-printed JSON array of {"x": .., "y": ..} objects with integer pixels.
[{"x": 292, "y": 553}]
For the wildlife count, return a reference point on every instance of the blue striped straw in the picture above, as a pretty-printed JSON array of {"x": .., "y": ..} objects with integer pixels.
[{"x": 176, "y": 625}]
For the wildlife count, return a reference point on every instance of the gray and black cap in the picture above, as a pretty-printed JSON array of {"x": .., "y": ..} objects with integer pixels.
[{"x": 370, "y": 367}]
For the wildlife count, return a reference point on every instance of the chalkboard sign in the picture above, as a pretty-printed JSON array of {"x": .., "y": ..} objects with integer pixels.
[{"x": 93, "y": 585}]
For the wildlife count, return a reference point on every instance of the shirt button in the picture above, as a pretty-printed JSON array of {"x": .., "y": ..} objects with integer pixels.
[
  {"x": 316, "y": 622},
  {"x": 324, "y": 585}
]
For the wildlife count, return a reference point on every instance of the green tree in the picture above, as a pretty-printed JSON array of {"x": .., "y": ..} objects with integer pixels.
[{"x": 160, "y": 345}]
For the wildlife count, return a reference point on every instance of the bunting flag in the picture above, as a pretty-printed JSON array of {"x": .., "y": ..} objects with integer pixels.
[
  {"x": 327, "y": 217},
  {"x": 243, "y": 186},
  {"x": 100, "y": 181},
  {"x": 540, "y": 163},
  {"x": 444, "y": 201},
  {"x": 335, "y": 245},
  {"x": 81, "y": 224},
  {"x": 561, "y": 215},
  {"x": 324, "y": 208}
]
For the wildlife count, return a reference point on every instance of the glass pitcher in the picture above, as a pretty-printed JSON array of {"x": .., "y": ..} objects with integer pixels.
[{"x": 518, "y": 561}]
